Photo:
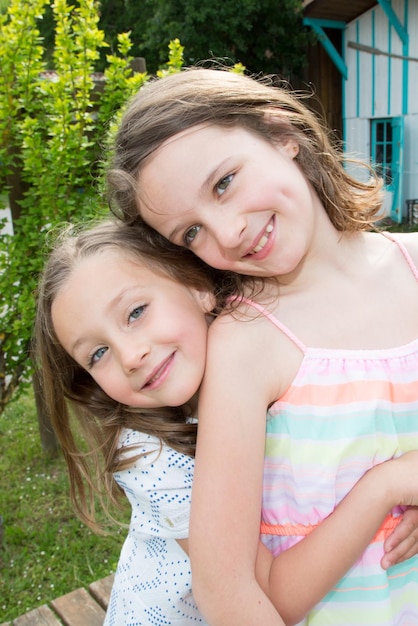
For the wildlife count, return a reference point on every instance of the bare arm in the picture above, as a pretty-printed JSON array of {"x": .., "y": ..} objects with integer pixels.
[
  {"x": 227, "y": 487},
  {"x": 301, "y": 576}
]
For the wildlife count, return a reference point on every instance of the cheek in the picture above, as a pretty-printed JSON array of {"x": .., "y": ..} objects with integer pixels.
[
  {"x": 107, "y": 383},
  {"x": 197, "y": 371},
  {"x": 112, "y": 384},
  {"x": 212, "y": 254},
  {"x": 198, "y": 340}
]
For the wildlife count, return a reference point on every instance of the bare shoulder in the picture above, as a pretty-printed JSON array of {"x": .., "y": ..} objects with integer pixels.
[
  {"x": 410, "y": 241},
  {"x": 246, "y": 344},
  {"x": 234, "y": 324},
  {"x": 241, "y": 329}
]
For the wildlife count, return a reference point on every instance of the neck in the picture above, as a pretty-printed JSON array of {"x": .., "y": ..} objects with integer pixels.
[{"x": 193, "y": 403}]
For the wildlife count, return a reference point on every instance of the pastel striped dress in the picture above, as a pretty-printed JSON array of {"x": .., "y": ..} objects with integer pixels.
[{"x": 346, "y": 411}]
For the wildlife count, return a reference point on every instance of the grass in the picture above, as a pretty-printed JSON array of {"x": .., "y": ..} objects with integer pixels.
[
  {"x": 45, "y": 550},
  {"x": 393, "y": 227}
]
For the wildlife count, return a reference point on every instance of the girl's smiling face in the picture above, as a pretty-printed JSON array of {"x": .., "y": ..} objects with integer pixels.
[
  {"x": 238, "y": 201},
  {"x": 140, "y": 334}
]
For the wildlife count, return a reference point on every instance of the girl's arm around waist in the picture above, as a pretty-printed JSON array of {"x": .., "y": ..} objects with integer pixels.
[
  {"x": 300, "y": 577},
  {"x": 227, "y": 487}
]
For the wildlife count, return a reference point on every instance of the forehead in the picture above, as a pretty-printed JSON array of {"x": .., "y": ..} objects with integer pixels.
[
  {"x": 108, "y": 265},
  {"x": 98, "y": 279},
  {"x": 186, "y": 163},
  {"x": 192, "y": 131},
  {"x": 198, "y": 135},
  {"x": 185, "y": 144}
]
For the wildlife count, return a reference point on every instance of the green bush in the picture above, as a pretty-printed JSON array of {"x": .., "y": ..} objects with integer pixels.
[{"x": 53, "y": 131}]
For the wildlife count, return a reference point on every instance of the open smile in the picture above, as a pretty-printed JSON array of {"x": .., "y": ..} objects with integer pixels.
[
  {"x": 159, "y": 374},
  {"x": 262, "y": 239}
]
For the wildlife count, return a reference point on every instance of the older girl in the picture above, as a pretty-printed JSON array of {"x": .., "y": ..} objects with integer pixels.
[{"x": 244, "y": 175}]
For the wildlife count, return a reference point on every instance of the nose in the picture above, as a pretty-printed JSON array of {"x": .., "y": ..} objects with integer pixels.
[
  {"x": 132, "y": 355},
  {"x": 228, "y": 229}
]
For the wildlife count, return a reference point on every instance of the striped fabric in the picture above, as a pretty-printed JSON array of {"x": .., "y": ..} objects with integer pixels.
[{"x": 346, "y": 411}]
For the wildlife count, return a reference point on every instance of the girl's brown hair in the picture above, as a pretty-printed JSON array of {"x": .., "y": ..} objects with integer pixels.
[
  {"x": 76, "y": 404},
  {"x": 164, "y": 107}
]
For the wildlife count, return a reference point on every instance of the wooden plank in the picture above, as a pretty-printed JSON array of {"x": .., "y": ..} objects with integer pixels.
[
  {"x": 42, "y": 616},
  {"x": 100, "y": 590},
  {"x": 78, "y": 608}
]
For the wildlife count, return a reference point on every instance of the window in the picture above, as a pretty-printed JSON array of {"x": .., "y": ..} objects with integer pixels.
[
  {"x": 382, "y": 151},
  {"x": 386, "y": 148}
]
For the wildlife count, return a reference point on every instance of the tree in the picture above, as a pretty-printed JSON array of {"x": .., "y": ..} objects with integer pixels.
[
  {"x": 52, "y": 132},
  {"x": 264, "y": 35}
]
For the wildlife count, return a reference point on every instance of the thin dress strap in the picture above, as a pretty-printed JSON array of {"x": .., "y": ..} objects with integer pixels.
[
  {"x": 405, "y": 253},
  {"x": 272, "y": 319}
]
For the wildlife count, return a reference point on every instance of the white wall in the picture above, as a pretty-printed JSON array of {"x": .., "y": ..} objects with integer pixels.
[{"x": 374, "y": 87}]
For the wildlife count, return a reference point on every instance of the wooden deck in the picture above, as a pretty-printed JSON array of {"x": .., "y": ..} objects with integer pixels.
[{"x": 82, "y": 607}]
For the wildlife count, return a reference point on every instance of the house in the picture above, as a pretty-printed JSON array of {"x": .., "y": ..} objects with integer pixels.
[{"x": 365, "y": 72}]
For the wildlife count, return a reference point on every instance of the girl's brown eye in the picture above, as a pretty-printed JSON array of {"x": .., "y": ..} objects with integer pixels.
[
  {"x": 224, "y": 184},
  {"x": 190, "y": 235}
]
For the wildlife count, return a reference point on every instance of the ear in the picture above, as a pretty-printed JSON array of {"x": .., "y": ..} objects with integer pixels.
[
  {"x": 206, "y": 300},
  {"x": 291, "y": 147}
]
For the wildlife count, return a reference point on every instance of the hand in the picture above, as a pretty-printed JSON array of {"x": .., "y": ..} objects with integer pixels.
[
  {"x": 403, "y": 541},
  {"x": 398, "y": 479}
]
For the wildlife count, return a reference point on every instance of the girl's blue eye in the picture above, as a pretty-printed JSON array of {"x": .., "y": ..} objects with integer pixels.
[
  {"x": 223, "y": 184},
  {"x": 190, "y": 235},
  {"x": 136, "y": 313},
  {"x": 96, "y": 356}
]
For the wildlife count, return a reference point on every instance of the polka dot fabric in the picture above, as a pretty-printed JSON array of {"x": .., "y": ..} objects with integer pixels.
[{"x": 153, "y": 578}]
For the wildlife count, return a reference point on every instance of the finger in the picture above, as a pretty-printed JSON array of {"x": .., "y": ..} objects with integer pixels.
[
  {"x": 403, "y": 551},
  {"x": 395, "y": 557},
  {"x": 407, "y": 527}
]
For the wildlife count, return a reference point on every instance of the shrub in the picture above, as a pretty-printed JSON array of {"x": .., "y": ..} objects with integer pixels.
[{"x": 53, "y": 129}]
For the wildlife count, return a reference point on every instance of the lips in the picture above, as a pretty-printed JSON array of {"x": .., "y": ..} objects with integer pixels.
[
  {"x": 262, "y": 239},
  {"x": 159, "y": 373}
]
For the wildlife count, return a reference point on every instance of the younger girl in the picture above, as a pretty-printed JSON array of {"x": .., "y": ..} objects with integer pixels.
[
  {"x": 244, "y": 175},
  {"x": 121, "y": 324}
]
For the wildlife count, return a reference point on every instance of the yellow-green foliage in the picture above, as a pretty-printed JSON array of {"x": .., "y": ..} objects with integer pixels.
[{"x": 54, "y": 129}]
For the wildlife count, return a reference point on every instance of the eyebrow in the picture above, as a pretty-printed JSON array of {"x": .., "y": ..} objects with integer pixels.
[
  {"x": 205, "y": 187},
  {"x": 114, "y": 302},
  {"x": 75, "y": 347}
]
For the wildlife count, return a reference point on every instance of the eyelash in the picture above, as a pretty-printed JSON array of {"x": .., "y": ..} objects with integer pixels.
[
  {"x": 186, "y": 241},
  {"x": 91, "y": 361},
  {"x": 226, "y": 179},
  {"x": 136, "y": 308}
]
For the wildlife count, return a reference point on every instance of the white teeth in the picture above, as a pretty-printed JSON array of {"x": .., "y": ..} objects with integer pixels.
[
  {"x": 154, "y": 378},
  {"x": 261, "y": 244},
  {"x": 263, "y": 240}
]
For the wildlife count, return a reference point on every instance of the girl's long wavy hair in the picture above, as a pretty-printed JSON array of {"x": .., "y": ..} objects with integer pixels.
[
  {"x": 164, "y": 107},
  {"x": 76, "y": 404}
]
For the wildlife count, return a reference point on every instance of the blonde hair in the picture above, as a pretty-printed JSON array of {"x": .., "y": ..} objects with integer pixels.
[
  {"x": 76, "y": 404},
  {"x": 164, "y": 107}
]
